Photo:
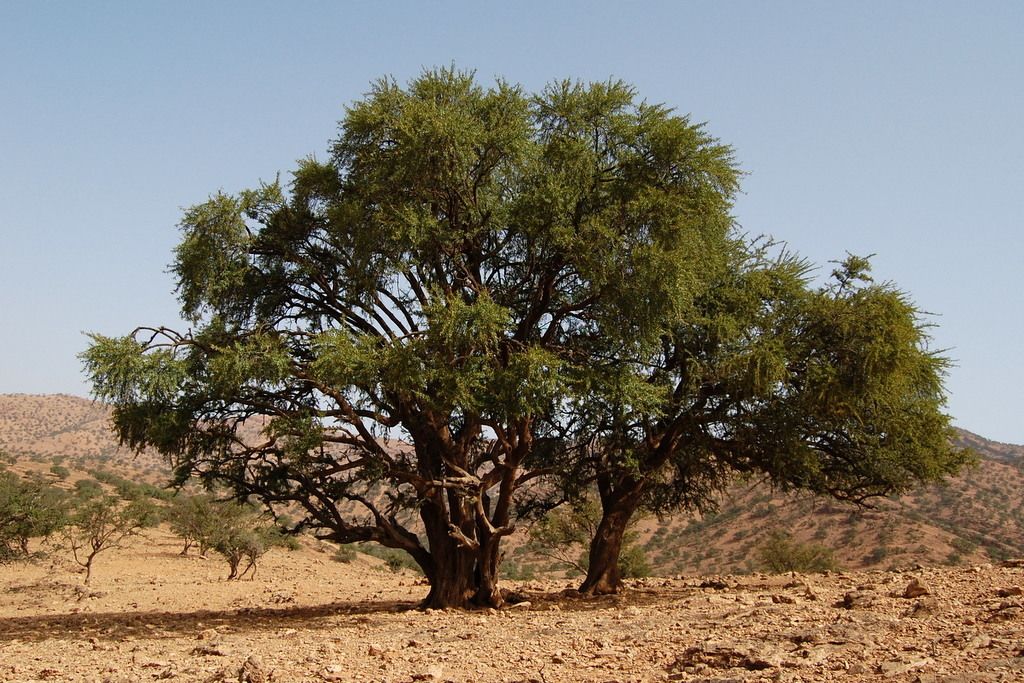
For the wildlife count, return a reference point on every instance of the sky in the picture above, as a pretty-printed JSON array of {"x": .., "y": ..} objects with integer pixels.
[{"x": 888, "y": 128}]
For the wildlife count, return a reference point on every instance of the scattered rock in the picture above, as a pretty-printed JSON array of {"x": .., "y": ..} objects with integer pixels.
[
  {"x": 924, "y": 608},
  {"x": 978, "y": 642},
  {"x": 915, "y": 589},
  {"x": 1005, "y": 611},
  {"x": 434, "y": 673},
  {"x": 252, "y": 671},
  {"x": 857, "y": 599},
  {"x": 895, "y": 668},
  {"x": 1010, "y": 592},
  {"x": 720, "y": 657}
]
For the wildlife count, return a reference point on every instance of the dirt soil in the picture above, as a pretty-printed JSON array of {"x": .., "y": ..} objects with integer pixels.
[{"x": 151, "y": 614}]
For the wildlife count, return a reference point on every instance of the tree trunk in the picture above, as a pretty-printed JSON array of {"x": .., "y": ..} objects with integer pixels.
[
  {"x": 487, "y": 592},
  {"x": 449, "y": 566},
  {"x": 603, "y": 574}
]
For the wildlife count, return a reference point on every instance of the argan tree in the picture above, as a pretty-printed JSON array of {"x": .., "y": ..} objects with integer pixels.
[
  {"x": 397, "y": 330},
  {"x": 196, "y": 519},
  {"x": 831, "y": 389},
  {"x": 241, "y": 534},
  {"x": 104, "y": 522},
  {"x": 29, "y": 508}
]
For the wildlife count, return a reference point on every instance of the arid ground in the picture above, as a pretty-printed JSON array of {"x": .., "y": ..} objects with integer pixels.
[{"x": 151, "y": 614}]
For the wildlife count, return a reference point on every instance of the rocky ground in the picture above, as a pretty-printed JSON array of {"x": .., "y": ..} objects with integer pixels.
[{"x": 151, "y": 614}]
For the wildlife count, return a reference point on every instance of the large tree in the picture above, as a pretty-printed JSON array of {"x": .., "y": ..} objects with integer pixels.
[
  {"x": 406, "y": 321},
  {"x": 831, "y": 389}
]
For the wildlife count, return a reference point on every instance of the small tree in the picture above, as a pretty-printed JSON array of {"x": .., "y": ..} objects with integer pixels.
[
  {"x": 240, "y": 534},
  {"x": 104, "y": 522},
  {"x": 29, "y": 508},
  {"x": 197, "y": 519}
]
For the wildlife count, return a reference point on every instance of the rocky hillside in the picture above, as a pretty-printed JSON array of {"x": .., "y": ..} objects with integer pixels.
[
  {"x": 977, "y": 517},
  {"x": 69, "y": 431}
]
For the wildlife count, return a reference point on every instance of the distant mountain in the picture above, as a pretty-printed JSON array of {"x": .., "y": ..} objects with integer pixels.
[{"x": 976, "y": 517}]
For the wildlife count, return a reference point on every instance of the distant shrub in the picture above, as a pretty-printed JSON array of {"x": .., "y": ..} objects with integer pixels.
[
  {"x": 88, "y": 488},
  {"x": 780, "y": 554},
  {"x": 99, "y": 523},
  {"x": 244, "y": 535},
  {"x": 517, "y": 571},
  {"x": 196, "y": 520},
  {"x": 60, "y": 471},
  {"x": 395, "y": 560},
  {"x": 344, "y": 554},
  {"x": 633, "y": 562},
  {"x": 878, "y": 554}
]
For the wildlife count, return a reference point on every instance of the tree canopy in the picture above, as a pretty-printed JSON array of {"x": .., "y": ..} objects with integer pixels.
[{"x": 481, "y": 289}]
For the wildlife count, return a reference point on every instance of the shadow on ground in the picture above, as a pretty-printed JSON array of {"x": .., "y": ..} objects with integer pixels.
[{"x": 150, "y": 625}]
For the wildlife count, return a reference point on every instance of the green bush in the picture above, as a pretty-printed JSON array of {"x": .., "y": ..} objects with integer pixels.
[
  {"x": 780, "y": 554},
  {"x": 29, "y": 508},
  {"x": 60, "y": 471},
  {"x": 344, "y": 554},
  {"x": 395, "y": 560}
]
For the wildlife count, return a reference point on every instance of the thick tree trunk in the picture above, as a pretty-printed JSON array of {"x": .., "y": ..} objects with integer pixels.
[
  {"x": 449, "y": 565},
  {"x": 603, "y": 573},
  {"x": 487, "y": 592}
]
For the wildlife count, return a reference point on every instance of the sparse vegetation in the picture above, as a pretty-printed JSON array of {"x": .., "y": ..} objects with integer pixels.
[
  {"x": 781, "y": 553},
  {"x": 29, "y": 508},
  {"x": 196, "y": 519},
  {"x": 103, "y": 522}
]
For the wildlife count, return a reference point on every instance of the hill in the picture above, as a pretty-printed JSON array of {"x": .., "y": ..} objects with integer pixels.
[
  {"x": 975, "y": 518},
  {"x": 70, "y": 431}
]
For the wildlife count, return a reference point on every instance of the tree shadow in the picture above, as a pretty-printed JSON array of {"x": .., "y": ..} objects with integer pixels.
[{"x": 118, "y": 626}]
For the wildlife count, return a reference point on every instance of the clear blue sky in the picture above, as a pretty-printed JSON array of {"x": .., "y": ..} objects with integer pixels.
[{"x": 892, "y": 128}]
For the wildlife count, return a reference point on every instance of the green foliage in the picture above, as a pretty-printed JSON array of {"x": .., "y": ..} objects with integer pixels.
[
  {"x": 102, "y": 522},
  {"x": 87, "y": 488},
  {"x": 395, "y": 560},
  {"x": 633, "y": 562},
  {"x": 344, "y": 554},
  {"x": 60, "y": 471},
  {"x": 242, "y": 533},
  {"x": 29, "y": 508},
  {"x": 196, "y": 519},
  {"x": 131, "y": 490},
  {"x": 515, "y": 284},
  {"x": 781, "y": 554},
  {"x": 564, "y": 534},
  {"x": 516, "y": 571}
]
